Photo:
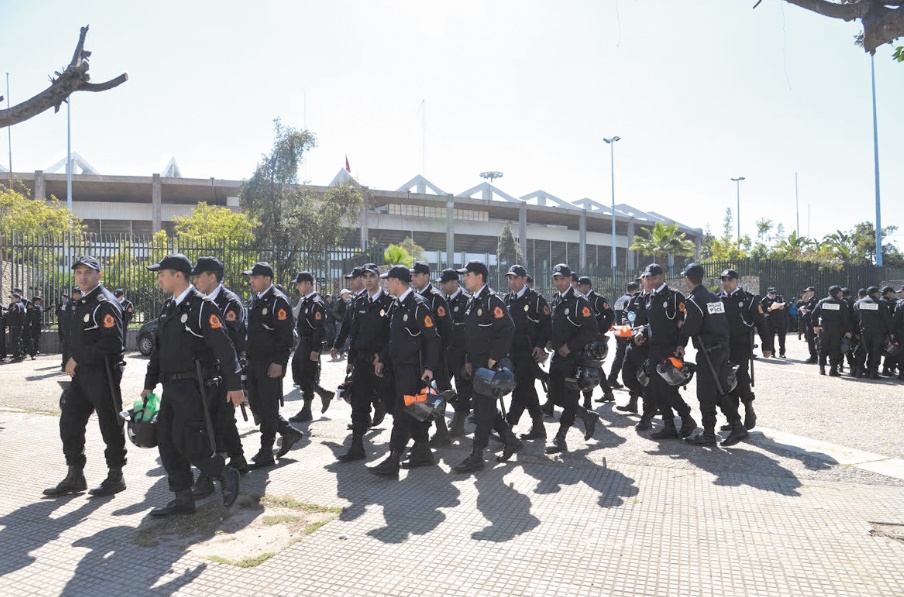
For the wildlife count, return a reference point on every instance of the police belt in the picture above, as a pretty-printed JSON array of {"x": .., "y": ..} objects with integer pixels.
[{"x": 183, "y": 375}]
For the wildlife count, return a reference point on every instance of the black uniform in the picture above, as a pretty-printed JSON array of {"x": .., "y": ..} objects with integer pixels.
[
  {"x": 833, "y": 318},
  {"x": 190, "y": 331},
  {"x": 95, "y": 339},
  {"x": 533, "y": 328},
  {"x": 15, "y": 320},
  {"x": 232, "y": 312},
  {"x": 347, "y": 319},
  {"x": 128, "y": 312},
  {"x": 874, "y": 322},
  {"x": 443, "y": 320},
  {"x": 805, "y": 308},
  {"x": 455, "y": 356},
  {"x": 745, "y": 314},
  {"x": 574, "y": 325},
  {"x": 619, "y": 312},
  {"x": 64, "y": 323},
  {"x": 368, "y": 333},
  {"x": 605, "y": 316},
  {"x": 270, "y": 339},
  {"x": 2, "y": 332},
  {"x": 311, "y": 327},
  {"x": 776, "y": 323},
  {"x": 35, "y": 315},
  {"x": 635, "y": 360},
  {"x": 897, "y": 327}
]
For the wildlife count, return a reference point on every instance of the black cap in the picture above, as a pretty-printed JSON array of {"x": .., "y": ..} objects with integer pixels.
[
  {"x": 562, "y": 270},
  {"x": 517, "y": 270},
  {"x": 36, "y": 298},
  {"x": 693, "y": 270},
  {"x": 76, "y": 289},
  {"x": 399, "y": 272},
  {"x": 730, "y": 274},
  {"x": 632, "y": 286},
  {"x": 119, "y": 292},
  {"x": 176, "y": 261},
  {"x": 861, "y": 292},
  {"x": 886, "y": 289},
  {"x": 834, "y": 288},
  {"x": 585, "y": 281},
  {"x": 530, "y": 279},
  {"x": 87, "y": 260},
  {"x": 371, "y": 268},
  {"x": 304, "y": 277},
  {"x": 448, "y": 275},
  {"x": 810, "y": 289},
  {"x": 17, "y": 291},
  {"x": 476, "y": 267},
  {"x": 261, "y": 268},
  {"x": 420, "y": 267},
  {"x": 770, "y": 289},
  {"x": 355, "y": 273},
  {"x": 872, "y": 290},
  {"x": 207, "y": 264},
  {"x": 845, "y": 291},
  {"x": 654, "y": 269},
  {"x": 64, "y": 294}
]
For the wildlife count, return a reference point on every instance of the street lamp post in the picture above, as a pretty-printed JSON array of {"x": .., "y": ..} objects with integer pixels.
[
  {"x": 738, "y": 181},
  {"x": 491, "y": 175},
  {"x": 872, "y": 66},
  {"x": 611, "y": 143}
]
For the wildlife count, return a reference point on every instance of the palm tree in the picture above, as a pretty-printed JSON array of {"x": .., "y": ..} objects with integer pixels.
[
  {"x": 842, "y": 245},
  {"x": 794, "y": 246},
  {"x": 661, "y": 241},
  {"x": 396, "y": 255}
]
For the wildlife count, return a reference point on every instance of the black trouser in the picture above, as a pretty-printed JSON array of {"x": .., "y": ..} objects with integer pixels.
[
  {"x": 90, "y": 392},
  {"x": 367, "y": 389},
  {"x": 665, "y": 396},
  {"x": 222, "y": 413},
  {"x": 739, "y": 354},
  {"x": 621, "y": 347},
  {"x": 264, "y": 393},
  {"x": 35, "y": 341},
  {"x": 3, "y": 338},
  {"x": 710, "y": 393},
  {"x": 488, "y": 418},
  {"x": 455, "y": 362},
  {"x": 65, "y": 353},
  {"x": 811, "y": 338},
  {"x": 525, "y": 396},
  {"x": 561, "y": 395},
  {"x": 404, "y": 426},
  {"x": 182, "y": 436},
  {"x": 777, "y": 324},
  {"x": 829, "y": 347},
  {"x": 633, "y": 363},
  {"x": 869, "y": 352},
  {"x": 305, "y": 372},
  {"x": 15, "y": 341}
]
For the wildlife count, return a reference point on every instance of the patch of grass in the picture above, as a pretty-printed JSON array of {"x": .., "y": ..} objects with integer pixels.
[
  {"x": 38, "y": 411},
  {"x": 279, "y": 519},
  {"x": 315, "y": 525},
  {"x": 293, "y": 504},
  {"x": 245, "y": 562},
  {"x": 203, "y": 523}
]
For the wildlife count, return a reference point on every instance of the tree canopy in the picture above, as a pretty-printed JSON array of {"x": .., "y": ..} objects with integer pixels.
[
  {"x": 21, "y": 214},
  {"x": 662, "y": 240},
  {"x": 508, "y": 251}
]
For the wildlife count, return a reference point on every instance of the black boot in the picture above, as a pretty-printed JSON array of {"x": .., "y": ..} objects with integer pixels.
[
  {"x": 705, "y": 438},
  {"x": 325, "y": 397},
  {"x": 389, "y": 467},
  {"x": 646, "y": 419},
  {"x": 113, "y": 484},
  {"x": 537, "y": 430},
  {"x": 557, "y": 444},
  {"x": 833, "y": 371},
  {"x": 441, "y": 437},
  {"x": 74, "y": 482},
  {"x": 822, "y": 370},
  {"x": 512, "y": 446},
  {"x": 457, "y": 427},
  {"x": 355, "y": 451},
  {"x": 738, "y": 432},
  {"x": 379, "y": 413},
  {"x": 230, "y": 482},
  {"x": 182, "y": 504},
  {"x": 688, "y": 426},
  {"x": 668, "y": 431},
  {"x": 590, "y": 420},
  {"x": 474, "y": 462},
  {"x": 203, "y": 487},
  {"x": 588, "y": 404},
  {"x": 547, "y": 407},
  {"x": 631, "y": 406},
  {"x": 239, "y": 463},
  {"x": 749, "y": 415},
  {"x": 289, "y": 439},
  {"x": 608, "y": 396},
  {"x": 263, "y": 458},
  {"x": 613, "y": 383},
  {"x": 304, "y": 414},
  {"x": 420, "y": 455}
]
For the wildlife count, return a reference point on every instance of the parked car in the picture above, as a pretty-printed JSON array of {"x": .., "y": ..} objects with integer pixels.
[{"x": 146, "y": 337}]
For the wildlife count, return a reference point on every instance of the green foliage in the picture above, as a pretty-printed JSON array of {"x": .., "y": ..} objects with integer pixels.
[
  {"x": 20, "y": 214},
  {"x": 208, "y": 222},
  {"x": 899, "y": 54},
  {"x": 662, "y": 240},
  {"x": 508, "y": 250},
  {"x": 415, "y": 250},
  {"x": 396, "y": 255}
]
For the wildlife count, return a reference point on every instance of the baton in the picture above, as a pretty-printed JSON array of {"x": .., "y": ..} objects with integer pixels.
[
  {"x": 113, "y": 393},
  {"x": 751, "y": 359},
  {"x": 202, "y": 385},
  {"x": 709, "y": 365}
]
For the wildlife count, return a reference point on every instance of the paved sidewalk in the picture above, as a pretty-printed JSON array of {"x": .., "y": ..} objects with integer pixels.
[{"x": 787, "y": 513}]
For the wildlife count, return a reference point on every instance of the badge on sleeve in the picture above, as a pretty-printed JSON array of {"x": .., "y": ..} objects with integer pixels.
[
  {"x": 109, "y": 322},
  {"x": 441, "y": 311},
  {"x": 546, "y": 310},
  {"x": 281, "y": 315},
  {"x": 682, "y": 308},
  {"x": 428, "y": 322},
  {"x": 215, "y": 321},
  {"x": 230, "y": 316},
  {"x": 585, "y": 311},
  {"x": 498, "y": 313},
  {"x": 318, "y": 316}
]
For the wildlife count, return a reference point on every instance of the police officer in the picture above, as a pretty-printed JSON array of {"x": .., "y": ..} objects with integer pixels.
[
  {"x": 413, "y": 352},
  {"x": 533, "y": 328},
  {"x": 706, "y": 324},
  {"x": 776, "y": 320},
  {"x": 270, "y": 340},
  {"x": 207, "y": 277},
  {"x": 898, "y": 330},
  {"x": 573, "y": 327},
  {"x": 636, "y": 355},
  {"x": 311, "y": 327},
  {"x": 664, "y": 312},
  {"x": 197, "y": 364},
  {"x": 831, "y": 320},
  {"x": 620, "y": 312},
  {"x": 888, "y": 293},
  {"x": 853, "y": 345},
  {"x": 874, "y": 322},
  {"x": 95, "y": 348},
  {"x": 489, "y": 330},
  {"x": 356, "y": 286},
  {"x": 15, "y": 320},
  {"x": 35, "y": 324},
  {"x": 605, "y": 316},
  {"x": 369, "y": 333},
  {"x": 128, "y": 309},
  {"x": 420, "y": 282},
  {"x": 805, "y": 307},
  {"x": 2, "y": 332},
  {"x": 457, "y": 300}
]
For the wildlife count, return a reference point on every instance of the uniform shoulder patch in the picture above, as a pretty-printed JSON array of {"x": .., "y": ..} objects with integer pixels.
[
  {"x": 681, "y": 307},
  {"x": 428, "y": 321},
  {"x": 586, "y": 312},
  {"x": 441, "y": 311},
  {"x": 282, "y": 315},
  {"x": 545, "y": 309},
  {"x": 109, "y": 322},
  {"x": 230, "y": 315},
  {"x": 215, "y": 321},
  {"x": 759, "y": 308},
  {"x": 498, "y": 313},
  {"x": 605, "y": 305},
  {"x": 317, "y": 315}
]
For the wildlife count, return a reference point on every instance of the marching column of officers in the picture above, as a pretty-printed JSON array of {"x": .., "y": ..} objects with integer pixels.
[{"x": 416, "y": 341}]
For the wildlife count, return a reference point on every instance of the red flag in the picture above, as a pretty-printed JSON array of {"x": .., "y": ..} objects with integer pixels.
[{"x": 347, "y": 167}]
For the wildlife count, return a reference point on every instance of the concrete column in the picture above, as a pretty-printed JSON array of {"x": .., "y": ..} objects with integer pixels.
[
  {"x": 450, "y": 231},
  {"x": 40, "y": 185},
  {"x": 156, "y": 203},
  {"x": 582, "y": 241},
  {"x": 522, "y": 229},
  {"x": 365, "y": 232},
  {"x": 630, "y": 239}
]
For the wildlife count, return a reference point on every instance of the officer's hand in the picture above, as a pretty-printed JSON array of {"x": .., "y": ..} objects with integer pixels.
[
  {"x": 427, "y": 376},
  {"x": 564, "y": 351},
  {"x": 236, "y": 397},
  {"x": 848, "y": 335},
  {"x": 539, "y": 354},
  {"x": 491, "y": 363},
  {"x": 378, "y": 369},
  {"x": 679, "y": 352},
  {"x": 767, "y": 354},
  {"x": 334, "y": 354},
  {"x": 549, "y": 346},
  {"x": 70, "y": 367},
  {"x": 816, "y": 330},
  {"x": 469, "y": 368},
  {"x": 274, "y": 370},
  {"x": 348, "y": 368},
  {"x": 315, "y": 355},
  {"x": 144, "y": 394}
]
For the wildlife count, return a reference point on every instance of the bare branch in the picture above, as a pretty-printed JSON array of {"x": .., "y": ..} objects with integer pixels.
[
  {"x": 104, "y": 86},
  {"x": 882, "y": 22},
  {"x": 79, "y": 47}
]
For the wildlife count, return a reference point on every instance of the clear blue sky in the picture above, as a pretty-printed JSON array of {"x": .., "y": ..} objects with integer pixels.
[{"x": 699, "y": 90}]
